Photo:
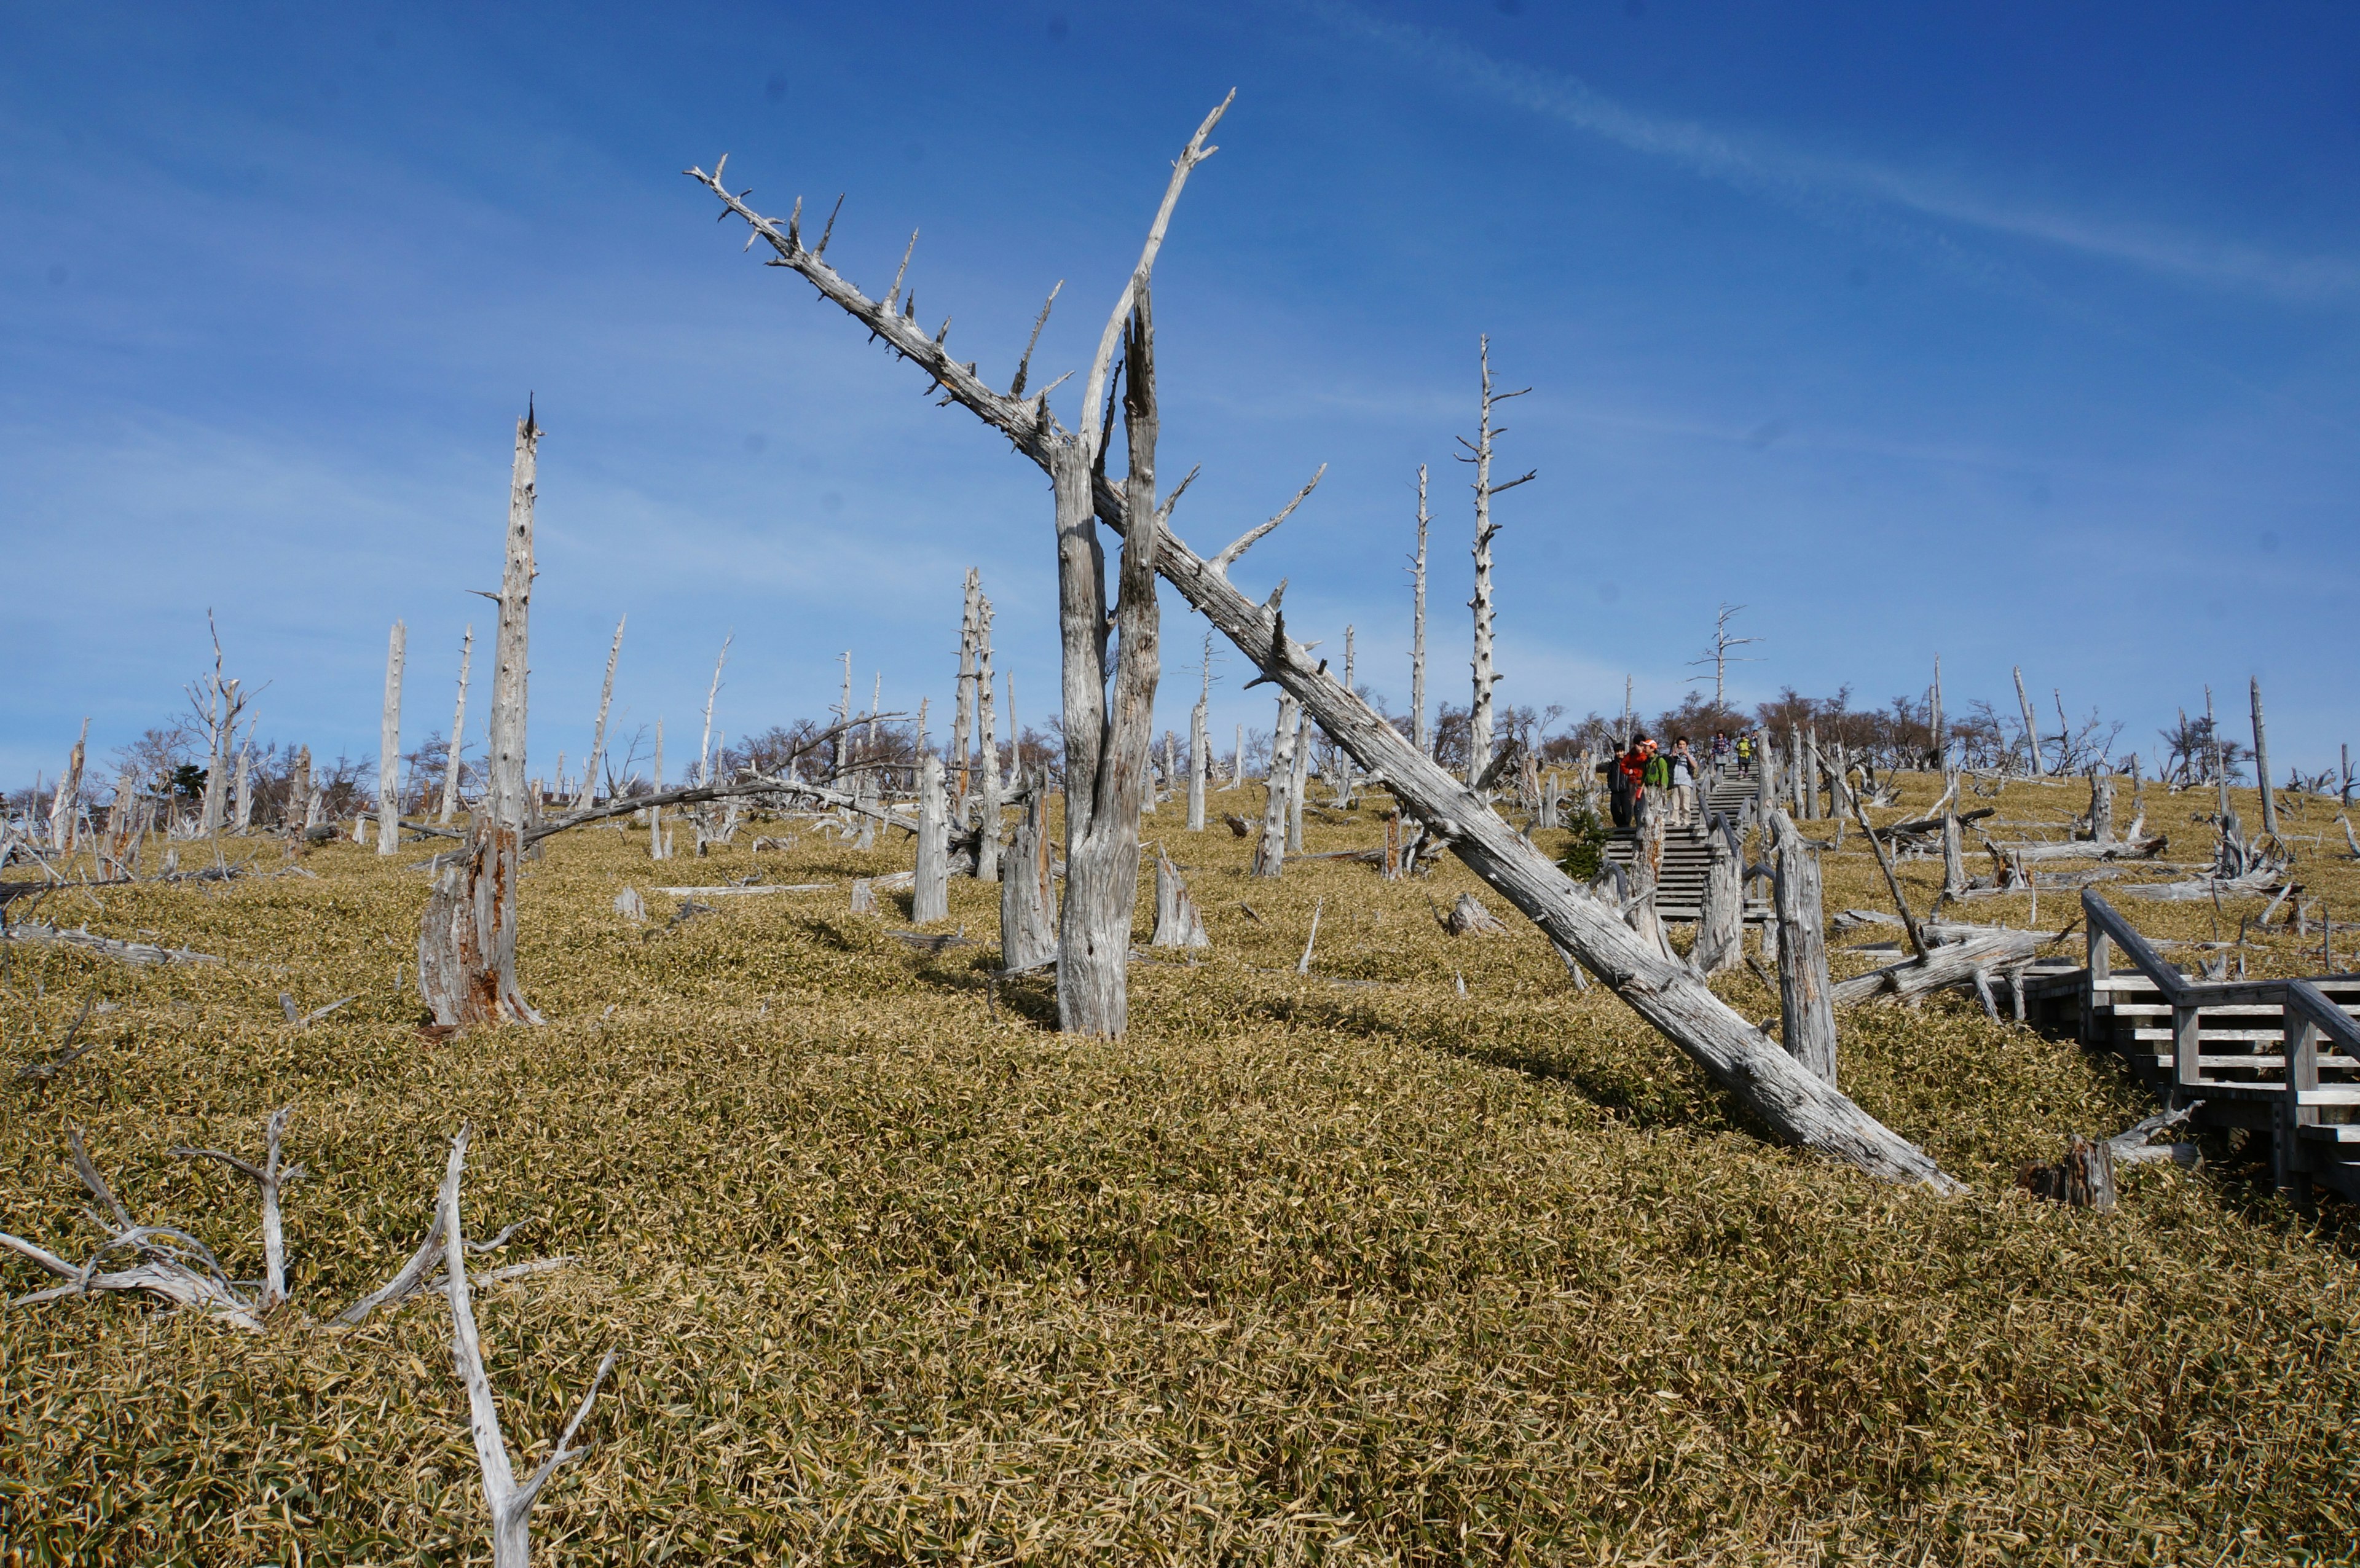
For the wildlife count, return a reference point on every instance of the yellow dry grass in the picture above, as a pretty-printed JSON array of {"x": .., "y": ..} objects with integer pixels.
[{"x": 1301, "y": 1271}]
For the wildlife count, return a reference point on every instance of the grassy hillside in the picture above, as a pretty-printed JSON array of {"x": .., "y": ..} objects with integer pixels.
[{"x": 1303, "y": 1271}]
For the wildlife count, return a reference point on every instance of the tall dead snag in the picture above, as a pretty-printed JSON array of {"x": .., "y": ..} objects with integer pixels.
[
  {"x": 65, "y": 805},
  {"x": 1297, "y": 785},
  {"x": 963, "y": 710},
  {"x": 1177, "y": 923},
  {"x": 466, "y": 945},
  {"x": 2032, "y": 730},
  {"x": 1479, "y": 712},
  {"x": 1420, "y": 736},
  {"x": 930, "y": 899},
  {"x": 987, "y": 840},
  {"x": 1028, "y": 930},
  {"x": 388, "y": 754},
  {"x": 2262, "y": 766},
  {"x": 1269, "y": 850},
  {"x": 1806, "y": 1016},
  {"x": 1200, "y": 759},
  {"x": 458, "y": 728},
  {"x": 598, "y": 733},
  {"x": 1772, "y": 1087}
]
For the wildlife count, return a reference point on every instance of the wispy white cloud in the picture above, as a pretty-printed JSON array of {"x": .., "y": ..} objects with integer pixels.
[{"x": 1854, "y": 189}]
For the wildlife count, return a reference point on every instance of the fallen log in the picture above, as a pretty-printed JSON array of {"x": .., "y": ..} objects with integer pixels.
[
  {"x": 106, "y": 947},
  {"x": 1949, "y": 964},
  {"x": 1772, "y": 1087},
  {"x": 2086, "y": 849}
]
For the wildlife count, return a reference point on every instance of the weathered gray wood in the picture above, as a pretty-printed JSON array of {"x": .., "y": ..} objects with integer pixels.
[
  {"x": 1939, "y": 742},
  {"x": 930, "y": 897},
  {"x": 2262, "y": 766},
  {"x": 1200, "y": 747},
  {"x": 458, "y": 731},
  {"x": 389, "y": 755},
  {"x": 1949, "y": 964},
  {"x": 1479, "y": 712},
  {"x": 987, "y": 850},
  {"x": 598, "y": 732},
  {"x": 2031, "y": 730},
  {"x": 1646, "y": 876},
  {"x": 1269, "y": 850},
  {"x": 1421, "y": 733},
  {"x": 63, "y": 805},
  {"x": 1807, "y": 1018},
  {"x": 245, "y": 787},
  {"x": 1177, "y": 921},
  {"x": 1298, "y": 783},
  {"x": 1789, "y": 1100},
  {"x": 963, "y": 712},
  {"x": 1954, "y": 859},
  {"x": 1720, "y": 921},
  {"x": 1028, "y": 930},
  {"x": 2102, "y": 807},
  {"x": 466, "y": 943}
]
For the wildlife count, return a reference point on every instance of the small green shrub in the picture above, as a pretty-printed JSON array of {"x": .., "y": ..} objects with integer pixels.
[{"x": 1585, "y": 851}]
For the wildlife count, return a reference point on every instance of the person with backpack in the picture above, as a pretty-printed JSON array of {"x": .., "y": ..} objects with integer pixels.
[
  {"x": 1683, "y": 770},
  {"x": 1656, "y": 779}
]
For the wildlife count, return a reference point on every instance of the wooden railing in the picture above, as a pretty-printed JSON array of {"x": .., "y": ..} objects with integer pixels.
[{"x": 2308, "y": 1020}]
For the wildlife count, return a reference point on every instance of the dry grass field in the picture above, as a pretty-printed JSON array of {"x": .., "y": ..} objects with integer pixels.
[{"x": 1345, "y": 1269}]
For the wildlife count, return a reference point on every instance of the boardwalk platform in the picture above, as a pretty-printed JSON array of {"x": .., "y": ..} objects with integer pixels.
[{"x": 2275, "y": 1057}]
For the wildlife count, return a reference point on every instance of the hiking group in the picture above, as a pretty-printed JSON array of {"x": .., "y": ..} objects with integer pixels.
[{"x": 1645, "y": 778}]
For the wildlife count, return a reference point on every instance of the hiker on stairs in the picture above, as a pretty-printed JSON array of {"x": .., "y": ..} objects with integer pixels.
[{"x": 1680, "y": 770}]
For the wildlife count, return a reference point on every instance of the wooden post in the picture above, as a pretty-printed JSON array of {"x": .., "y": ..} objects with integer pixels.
[
  {"x": 1421, "y": 733},
  {"x": 458, "y": 729},
  {"x": 1028, "y": 931},
  {"x": 2187, "y": 1062},
  {"x": 2262, "y": 766},
  {"x": 466, "y": 944},
  {"x": 2291, "y": 1160},
  {"x": 598, "y": 731},
  {"x": 1807, "y": 1018},
  {"x": 930, "y": 895},
  {"x": 1270, "y": 850},
  {"x": 388, "y": 757},
  {"x": 2031, "y": 730},
  {"x": 1478, "y": 711},
  {"x": 2096, "y": 988}
]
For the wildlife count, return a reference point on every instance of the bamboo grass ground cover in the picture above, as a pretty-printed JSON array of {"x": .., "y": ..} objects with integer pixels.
[{"x": 1300, "y": 1271}]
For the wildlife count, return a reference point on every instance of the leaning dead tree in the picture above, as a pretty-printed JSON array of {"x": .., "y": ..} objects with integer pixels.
[
  {"x": 598, "y": 732},
  {"x": 1478, "y": 709},
  {"x": 466, "y": 944},
  {"x": 1772, "y": 1086}
]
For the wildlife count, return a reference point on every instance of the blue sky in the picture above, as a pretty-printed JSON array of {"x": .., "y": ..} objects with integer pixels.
[{"x": 2018, "y": 334}]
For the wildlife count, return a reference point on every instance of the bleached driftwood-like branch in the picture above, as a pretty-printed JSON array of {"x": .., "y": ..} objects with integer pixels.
[
  {"x": 106, "y": 947},
  {"x": 269, "y": 1176},
  {"x": 1246, "y": 540},
  {"x": 510, "y": 1503}
]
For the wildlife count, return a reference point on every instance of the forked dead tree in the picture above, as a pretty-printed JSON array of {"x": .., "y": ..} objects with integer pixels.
[
  {"x": 1776, "y": 1089},
  {"x": 466, "y": 944}
]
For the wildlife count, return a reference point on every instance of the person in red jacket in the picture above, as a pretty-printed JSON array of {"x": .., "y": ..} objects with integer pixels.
[{"x": 1633, "y": 767}]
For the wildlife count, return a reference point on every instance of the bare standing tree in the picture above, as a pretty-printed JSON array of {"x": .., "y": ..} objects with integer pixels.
[
  {"x": 458, "y": 728},
  {"x": 987, "y": 843},
  {"x": 63, "y": 805},
  {"x": 1717, "y": 654},
  {"x": 1421, "y": 733},
  {"x": 1199, "y": 747},
  {"x": 388, "y": 757},
  {"x": 2031, "y": 729},
  {"x": 466, "y": 944},
  {"x": 598, "y": 732},
  {"x": 1479, "y": 713},
  {"x": 1771, "y": 1085}
]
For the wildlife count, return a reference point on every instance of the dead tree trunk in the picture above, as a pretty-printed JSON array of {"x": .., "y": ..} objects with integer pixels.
[
  {"x": 1177, "y": 923},
  {"x": 1720, "y": 922},
  {"x": 1420, "y": 734},
  {"x": 659, "y": 846},
  {"x": 1954, "y": 859},
  {"x": 1939, "y": 745},
  {"x": 1786, "y": 1097},
  {"x": 389, "y": 755},
  {"x": 986, "y": 841},
  {"x": 598, "y": 732},
  {"x": 1646, "y": 879},
  {"x": 458, "y": 728},
  {"x": 64, "y": 806},
  {"x": 930, "y": 899},
  {"x": 1028, "y": 932},
  {"x": 1270, "y": 850},
  {"x": 2031, "y": 730},
  {"x": 963, "y": 712},
  {"x": 2102, "y": 807},
  {"x": 1298, "y": 782},
  {"x": 1200, "y": 747},
  {"x": 1478, "y": 711},
  {"x": 1807, "y": 1018},
  {"x": 466, "y": 945},
  {"x": 2262, "y": 766}
]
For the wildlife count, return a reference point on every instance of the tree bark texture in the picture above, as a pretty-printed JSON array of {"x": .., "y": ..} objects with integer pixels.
[
  {"x": 987, "y": 843},
  {"x": 1298, "y": 783},
  {"x": 930, "y": 899},
  {"x": 1270, "y": 850},
  {"x": 1177, "y": 923},
  {"x": 1720, "y": 922},
  {"x": 1028, "y": 931},
  {"x": 1201, "y": 762},
  {"x": 466, "y": 944},
  {"x": 1770, "y": 1085},
  {"x": 2031, "y": 730},
  {"x": 458, "y": 729},
  {"x": 1807, "y": 1018},
  {"x": 64, "y": 805}
]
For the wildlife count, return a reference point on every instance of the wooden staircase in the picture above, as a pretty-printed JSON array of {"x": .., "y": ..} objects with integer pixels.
[{"x": 1680, "y": 888}]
